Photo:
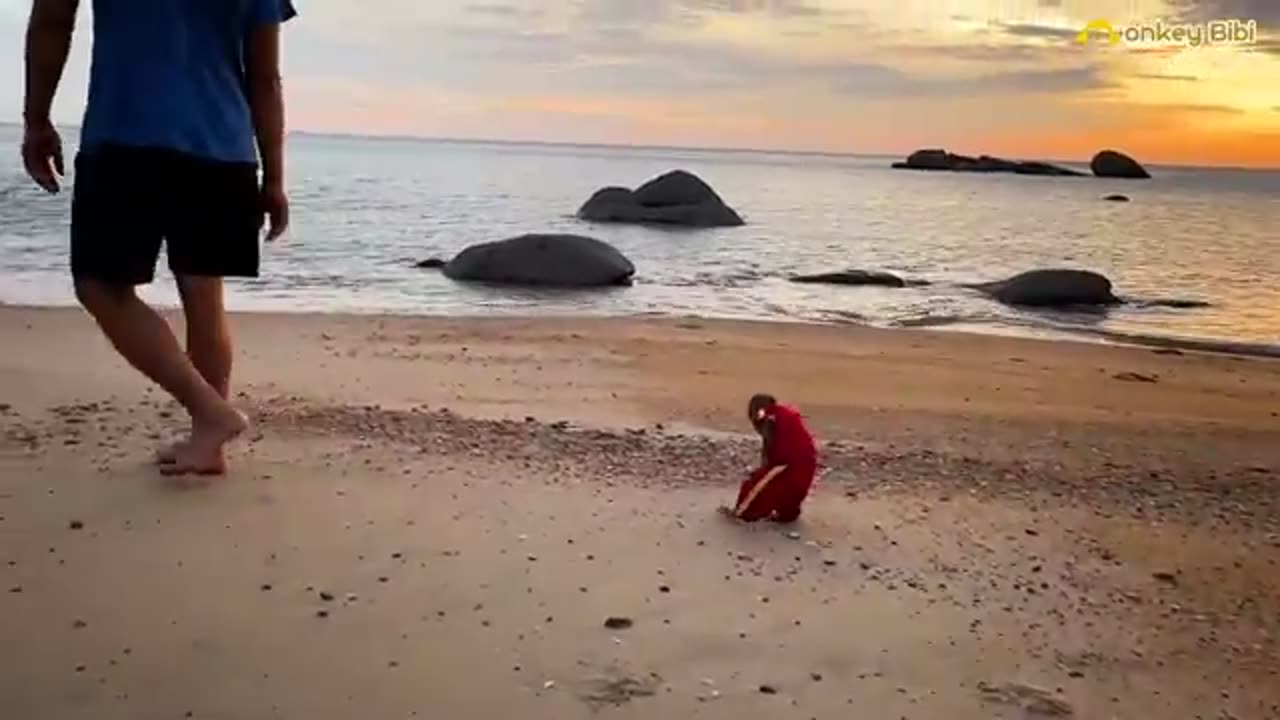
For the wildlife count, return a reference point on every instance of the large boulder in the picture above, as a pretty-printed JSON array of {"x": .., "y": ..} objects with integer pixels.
[
  {"x": 1052, "y": 288},
  {"x": 1115, "y": 164},
  {"x": 675, "y": 198},
  {"x": 543, "y": 260},
  {"x": 852, "y": 277},
  {"x": 937, "y": 159},
  {"x": 675, "y": 188}
]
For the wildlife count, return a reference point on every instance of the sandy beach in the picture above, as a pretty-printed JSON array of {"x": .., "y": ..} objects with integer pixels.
[{"x": 437, "y": 518}]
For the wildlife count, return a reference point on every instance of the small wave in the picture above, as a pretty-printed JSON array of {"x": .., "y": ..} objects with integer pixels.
[
  {"x": 1226, "y": 347},
  {"x": 731, "y": 279},
  {"x": 933, "y": 321},
  {"x": 1174, "y": 303},
  {"x": 1042, "y": 326},
  {"x": 843, "y": 317}
]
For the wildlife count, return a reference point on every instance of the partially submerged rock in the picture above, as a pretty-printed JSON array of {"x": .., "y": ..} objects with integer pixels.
[
  {"x": 1115, "y": 164},
  {"x": 1116, "y": 198},
  {"x": 676, "y": 198},
  {"x": 543, "y": 260},
  {"x": 938, "y": 159},
  {"x": 852, "y": 277},
  {"x": 1052, "y": 288}
]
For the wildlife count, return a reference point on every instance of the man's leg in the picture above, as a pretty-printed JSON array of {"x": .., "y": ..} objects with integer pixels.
[
  {"x": 208, "y": 334},
  {"x": 146, "y": 341},
  {"x": 115, "y": 241},
  {"x": 208, "y": 340},
  {"x": 212, "y": 230}
]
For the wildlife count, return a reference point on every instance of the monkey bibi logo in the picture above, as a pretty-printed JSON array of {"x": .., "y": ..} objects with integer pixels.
[
  {"x": 1083, "y": 37},
  {"x": 1161, "y": 34}
]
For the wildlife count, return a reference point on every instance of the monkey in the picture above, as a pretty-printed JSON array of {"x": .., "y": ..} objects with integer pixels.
[{"x": 788, "y": 463}]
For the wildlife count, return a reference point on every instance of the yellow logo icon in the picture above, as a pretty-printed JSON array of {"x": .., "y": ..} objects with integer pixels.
[{"x": 1084, "y": 36}]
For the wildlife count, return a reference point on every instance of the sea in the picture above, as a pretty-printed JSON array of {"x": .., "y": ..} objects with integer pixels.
[{"x": 365, "y": 210}]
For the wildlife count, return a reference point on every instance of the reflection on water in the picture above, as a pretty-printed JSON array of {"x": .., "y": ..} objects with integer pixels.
[{"x": 365, "y": 209}]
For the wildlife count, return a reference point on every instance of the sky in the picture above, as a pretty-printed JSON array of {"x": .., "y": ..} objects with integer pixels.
[{"x": 1002, "y": 77}]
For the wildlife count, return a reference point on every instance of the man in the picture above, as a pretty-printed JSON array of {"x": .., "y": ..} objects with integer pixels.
[
  {"x": 789, "y": 461},
  {"x": 184, "y": 100}
]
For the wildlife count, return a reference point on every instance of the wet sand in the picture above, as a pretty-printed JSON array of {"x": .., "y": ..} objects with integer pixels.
[{"x": 436, "y": 518}]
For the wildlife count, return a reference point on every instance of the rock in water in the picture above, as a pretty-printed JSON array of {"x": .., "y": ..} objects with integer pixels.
[
  {"x": 676, "y": 198},
  {"x": 1116, "y": 198},
  {"x": 675, "y": 188},
  {"x": 938, "y": 159},
  {"x": 431, "y": 264},
  {"x": 1115, "y": 164},
  {"x": 853, "y": 277},
  {"x": 1052, "y": 288},
  {"x": 927, "y": 159},
  {"x": 543, "y": 260},
  {"x": 611, "y": 204}
]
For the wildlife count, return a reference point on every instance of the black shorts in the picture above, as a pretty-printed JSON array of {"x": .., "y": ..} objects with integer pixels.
[{"x": 127, "y": 201}]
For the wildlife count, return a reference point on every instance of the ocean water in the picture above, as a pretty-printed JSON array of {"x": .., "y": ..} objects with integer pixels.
[{"x": 365, "y": 209}]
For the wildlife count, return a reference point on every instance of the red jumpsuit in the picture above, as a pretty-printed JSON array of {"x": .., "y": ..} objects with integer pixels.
[{"x": 777, "y": 489}]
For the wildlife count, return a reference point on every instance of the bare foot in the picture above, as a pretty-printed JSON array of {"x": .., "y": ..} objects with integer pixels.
[
  {"x": 187, "y": 462},
  {"x": 202, "y": 452}
]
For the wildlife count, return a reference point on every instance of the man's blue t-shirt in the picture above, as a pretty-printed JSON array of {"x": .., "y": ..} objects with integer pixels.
[{"x": 171, "y": 74}]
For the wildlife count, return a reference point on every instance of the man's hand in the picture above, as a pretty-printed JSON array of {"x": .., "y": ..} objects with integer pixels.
[
  {"x": 275, "y": 203},
  {"x": 42, "y": 154}
]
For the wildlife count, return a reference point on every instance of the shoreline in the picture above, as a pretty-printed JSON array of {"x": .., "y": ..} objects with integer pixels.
[{"x": 1082, "y": 336}]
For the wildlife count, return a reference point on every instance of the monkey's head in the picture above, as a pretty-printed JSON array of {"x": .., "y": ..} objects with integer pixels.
[{"x": 756, "y": 408}]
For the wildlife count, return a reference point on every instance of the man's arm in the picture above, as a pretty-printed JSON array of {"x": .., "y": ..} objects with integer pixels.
[
  {"x": 266, "y": 100},
  {"x": 49, "y": 32}
]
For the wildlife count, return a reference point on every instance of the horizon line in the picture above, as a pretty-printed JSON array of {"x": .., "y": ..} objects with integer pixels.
[
  {"x": 795, "y": 152},
  {"x": 732, "y": 149}
]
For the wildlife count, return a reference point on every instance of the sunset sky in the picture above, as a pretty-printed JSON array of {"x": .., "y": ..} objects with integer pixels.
[{"x": 881, "y": 76}]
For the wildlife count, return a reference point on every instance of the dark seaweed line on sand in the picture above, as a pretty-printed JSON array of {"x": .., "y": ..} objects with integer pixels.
[{"x": 647, "y": 457}]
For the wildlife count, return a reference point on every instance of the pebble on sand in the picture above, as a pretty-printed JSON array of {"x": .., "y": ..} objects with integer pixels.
[
  {"x": 1136, "y": 377},
  {"x": 76, "y": 525},
  {"x": 768, "y": 690},
  {"x": 618, "y": 623}
]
